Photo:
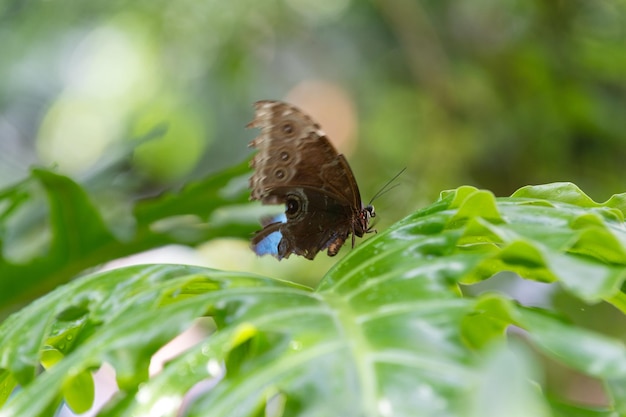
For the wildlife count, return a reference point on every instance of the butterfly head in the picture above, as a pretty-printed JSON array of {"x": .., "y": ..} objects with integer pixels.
[{"x": 363, "y": 221}]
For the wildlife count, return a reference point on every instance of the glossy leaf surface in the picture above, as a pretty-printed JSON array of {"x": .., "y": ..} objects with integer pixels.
[{"x": 388, "y": 332}]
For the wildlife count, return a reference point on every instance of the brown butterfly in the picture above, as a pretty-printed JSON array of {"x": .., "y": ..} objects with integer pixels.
[{"x": 297, "y": 166}]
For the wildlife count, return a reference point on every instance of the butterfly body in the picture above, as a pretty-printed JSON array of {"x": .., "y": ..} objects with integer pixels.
[{"x": 297, "y": 166}]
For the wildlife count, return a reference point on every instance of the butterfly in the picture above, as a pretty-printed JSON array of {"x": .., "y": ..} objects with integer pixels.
[{"x": 297, "y": 166}]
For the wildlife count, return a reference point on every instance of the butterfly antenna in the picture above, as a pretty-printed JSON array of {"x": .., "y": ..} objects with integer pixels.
[{"x": 385, "y": 188}]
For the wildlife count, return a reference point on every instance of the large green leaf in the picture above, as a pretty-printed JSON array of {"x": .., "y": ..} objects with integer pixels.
[
  {"x": 70, "y": 234},
  {"x": 386, "y": 333}
]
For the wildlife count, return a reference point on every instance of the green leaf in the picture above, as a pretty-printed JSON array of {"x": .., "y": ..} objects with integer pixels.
[
  {"x": 477, "y": 204},
  {"x": 80, "y": 239},
  {"x": 79, "y": 391},
  {"x": 565, "y": 192},
  {"x": 488, "y": 322},
  {"x": 506, "y": 388},
  {"x": 560, "y": 409},
  {"x": 7, "y": 385},
  {"x": 387, "y": 332},
  {"x": 583, "y": 350}
]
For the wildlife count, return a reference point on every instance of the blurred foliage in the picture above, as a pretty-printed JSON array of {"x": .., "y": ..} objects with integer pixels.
[
  {"x": 51, "y": 230},
  {"x": 494, "y": 93}
]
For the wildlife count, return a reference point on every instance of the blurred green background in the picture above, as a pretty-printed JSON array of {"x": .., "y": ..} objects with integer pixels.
[{"x": 133, "y": 98}]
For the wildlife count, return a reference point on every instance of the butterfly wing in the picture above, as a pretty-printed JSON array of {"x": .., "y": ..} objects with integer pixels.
[
  {"x": 293, "y": 150},
  {"x": 297, "y": 166},
  {"x": 314, "y": 221}
]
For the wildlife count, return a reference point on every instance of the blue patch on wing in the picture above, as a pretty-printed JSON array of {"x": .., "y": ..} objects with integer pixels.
[
  {"x": 280, "y": 218},
  {"x": 269, "y": 244}
]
